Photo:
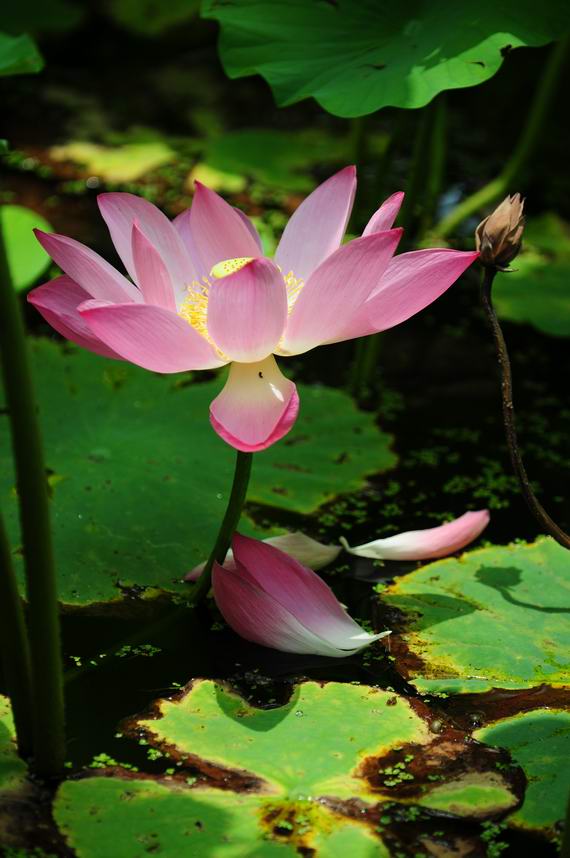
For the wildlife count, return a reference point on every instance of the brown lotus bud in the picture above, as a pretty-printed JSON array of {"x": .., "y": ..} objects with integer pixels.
[{"x": 499, "y": 236}]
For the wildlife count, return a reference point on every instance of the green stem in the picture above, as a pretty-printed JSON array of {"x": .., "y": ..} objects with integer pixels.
[
  {"x": 44, "y": 631},
  {"x": 15, "y": 649},
  {"x": 436, "y": 162},
  {"x": 228, "y": 526},
  {"x": 416, "y": 179},
  {"x": 509, "y": 414},
  {"x": 524, "y": 149},
  {"x": 358, "y": 140},
  {"x": 565, "y": 848}
]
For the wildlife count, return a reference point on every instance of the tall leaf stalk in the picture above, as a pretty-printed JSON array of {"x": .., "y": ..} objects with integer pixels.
[
  {"x": 43, "y": 612},
  {"x": 522, "y": 152}
]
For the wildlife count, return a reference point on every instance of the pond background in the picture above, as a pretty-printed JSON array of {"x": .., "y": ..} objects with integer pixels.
[{"x": 435, "y": 387}]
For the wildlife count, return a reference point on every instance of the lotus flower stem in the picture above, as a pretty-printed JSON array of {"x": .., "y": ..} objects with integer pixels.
[
  {"x": 535, "y": 507},
  {"x": 418, "y": 170},
  {"x": 15, "y": 648},
  {"x": 228, "y": 526},
  {"x": 530, "y": 136},
  {"x": 436, "y": 165},
  {"x": 44, "y": 631}
]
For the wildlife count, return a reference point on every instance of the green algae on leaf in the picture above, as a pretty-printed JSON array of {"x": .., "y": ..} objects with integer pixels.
[
  {"x": 539, "y": 741},
  {"x": 355, "y": 58},
  {"x": 493, "y": 618},
  {"x": 128, "y": 452}
]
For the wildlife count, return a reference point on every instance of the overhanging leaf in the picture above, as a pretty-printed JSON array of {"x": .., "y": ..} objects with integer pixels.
[
  {"x": 19, "y": 55},
  {"x": 538, "y": 291},
  {"x": 357, "y": 57},
  {"x": 540, "y": 742},
  {"x": 140, "y": 480},
  {"x": 493, "y": 618},
  {"x": 26, "y": 257}
]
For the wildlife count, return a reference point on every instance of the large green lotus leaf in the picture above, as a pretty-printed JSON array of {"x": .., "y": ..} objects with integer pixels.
[
  {"x": 292, "y": 777},
  {"x": 313, "y": 745},
  {"x": 493, "y": 618},
  {"x": 140, "y": 480},
  {"x": 13, "y": 770},
  {"x": 19, "y": 55},
  {"x": 537, "y": 292},
  {"x": 357, "y": 56},
  {"x": 130, "y": 818},
  {"x": 116, "y": 163},
  {"x": 339, "y": 741},
  {"x": 540, "y": 742},
  {"x": 26, "y": 257}
]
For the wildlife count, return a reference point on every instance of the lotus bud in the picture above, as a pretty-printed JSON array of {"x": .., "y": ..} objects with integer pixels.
[{"x": 499, "y": 236}]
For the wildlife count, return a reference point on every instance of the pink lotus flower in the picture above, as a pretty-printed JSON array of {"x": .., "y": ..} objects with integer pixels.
[
  {"x": 202, "y": 294},
  {"x": 271, "y": 599}
]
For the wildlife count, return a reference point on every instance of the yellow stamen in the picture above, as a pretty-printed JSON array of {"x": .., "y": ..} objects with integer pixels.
[
  {"x": 230, "y": 266},
  {"x": 294, "y": 286},
  {"x": 194, "y": 309}
]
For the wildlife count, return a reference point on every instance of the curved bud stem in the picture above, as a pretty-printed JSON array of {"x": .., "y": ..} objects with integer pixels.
[
  {"x": 535, "y": 507},
  {"x": 228, "y": 526}
]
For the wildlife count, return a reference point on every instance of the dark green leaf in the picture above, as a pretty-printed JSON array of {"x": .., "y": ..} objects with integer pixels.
[
  {"x": 140, "y": 480},
  {"x": 538, "y": 291},
  {"x": 278, "y": 159},
  {"x": 19, "y": 55}
]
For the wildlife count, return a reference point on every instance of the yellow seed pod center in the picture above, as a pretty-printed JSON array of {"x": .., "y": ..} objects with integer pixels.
[{"x": 229, "y": 266}]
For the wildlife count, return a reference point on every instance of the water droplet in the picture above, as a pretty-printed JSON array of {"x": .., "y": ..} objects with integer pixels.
[{"x": 299, "y": 713}]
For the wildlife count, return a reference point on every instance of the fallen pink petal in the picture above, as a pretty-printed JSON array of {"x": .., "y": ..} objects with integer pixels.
[
  {"x": 268, "y": 597},
  {"x": 202, "y": 295},
  {"x": 308, "y": 551},
  {"x": 428, "y": 544}
]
